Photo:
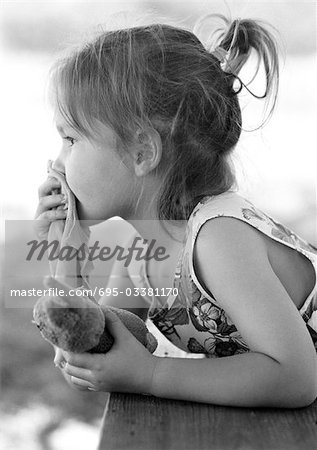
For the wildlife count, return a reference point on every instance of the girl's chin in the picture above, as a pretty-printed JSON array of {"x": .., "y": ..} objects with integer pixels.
[{"x": 86, "y": 218}]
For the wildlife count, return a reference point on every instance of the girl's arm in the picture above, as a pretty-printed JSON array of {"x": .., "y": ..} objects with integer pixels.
[{"x": 231, "y": 261}]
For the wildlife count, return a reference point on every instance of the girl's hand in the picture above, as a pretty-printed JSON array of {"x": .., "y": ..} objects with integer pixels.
[
  {"x": 127, "y": 367},
  {"x": 52, "y": 206},
  {"x": 60, "y": 362}
]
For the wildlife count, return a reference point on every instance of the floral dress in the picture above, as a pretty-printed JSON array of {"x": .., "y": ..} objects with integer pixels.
[{"x": 193, "y": 320}]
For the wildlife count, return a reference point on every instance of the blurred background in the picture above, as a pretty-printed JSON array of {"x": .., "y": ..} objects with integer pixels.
[{"x": 275, "y": 166}]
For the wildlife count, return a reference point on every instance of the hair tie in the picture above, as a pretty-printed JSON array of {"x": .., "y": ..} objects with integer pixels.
[{"x": 220, "y": 54}]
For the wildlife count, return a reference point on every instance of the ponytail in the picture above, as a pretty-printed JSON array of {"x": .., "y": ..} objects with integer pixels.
[{"x": 233, "y": 46}]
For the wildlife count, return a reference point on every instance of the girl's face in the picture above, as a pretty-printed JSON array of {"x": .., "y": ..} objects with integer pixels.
[{"x": 100, "y": 181}]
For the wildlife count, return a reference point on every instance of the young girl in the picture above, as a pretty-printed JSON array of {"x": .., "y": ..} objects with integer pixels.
[{"x": 149, "y": 118}]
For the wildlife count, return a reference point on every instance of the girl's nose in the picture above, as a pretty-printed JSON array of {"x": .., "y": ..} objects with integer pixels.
[{"x": 58, "y": 165}]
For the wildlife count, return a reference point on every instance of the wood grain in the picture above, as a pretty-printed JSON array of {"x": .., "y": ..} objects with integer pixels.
[{"x": 139, "y": 422}]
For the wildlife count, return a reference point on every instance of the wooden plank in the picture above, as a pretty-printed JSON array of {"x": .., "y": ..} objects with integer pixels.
[{"x": 138, "y": 422}]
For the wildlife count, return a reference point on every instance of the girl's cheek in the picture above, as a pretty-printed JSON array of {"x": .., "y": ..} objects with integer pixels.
[{"x": 76, "y": 170}]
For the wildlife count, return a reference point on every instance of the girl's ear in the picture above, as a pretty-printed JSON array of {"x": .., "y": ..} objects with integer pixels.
[{"x": 147, "y": 152}]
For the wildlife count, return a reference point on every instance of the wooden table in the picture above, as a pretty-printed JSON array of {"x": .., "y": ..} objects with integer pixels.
[{"x": 139, "y": 422}]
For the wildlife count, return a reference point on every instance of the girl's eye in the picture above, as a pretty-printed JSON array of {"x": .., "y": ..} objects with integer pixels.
[{"x": 70, "y": 140}]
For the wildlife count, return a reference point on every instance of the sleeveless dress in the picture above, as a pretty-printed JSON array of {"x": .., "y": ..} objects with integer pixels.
[{"x": 193, "y": 320}]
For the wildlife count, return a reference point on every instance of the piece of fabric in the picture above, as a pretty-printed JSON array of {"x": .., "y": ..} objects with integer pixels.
[
  {"x": 193, "y": 320},
  {"x": 72, "y": 238}
]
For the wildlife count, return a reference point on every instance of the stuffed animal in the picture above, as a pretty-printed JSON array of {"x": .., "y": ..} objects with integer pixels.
[{"x": 77, "y": 323}]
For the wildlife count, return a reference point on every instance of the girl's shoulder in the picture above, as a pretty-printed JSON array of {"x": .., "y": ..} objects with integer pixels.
[{"x": 232, "y": 204}]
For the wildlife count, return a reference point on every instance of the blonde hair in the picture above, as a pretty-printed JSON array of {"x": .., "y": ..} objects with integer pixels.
[{"x": 163, "y": 77}]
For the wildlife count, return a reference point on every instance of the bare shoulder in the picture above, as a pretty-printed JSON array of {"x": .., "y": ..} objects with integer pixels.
[
  {"x": 228, "y": 255},
  {"x": 230, "y": 235}
]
